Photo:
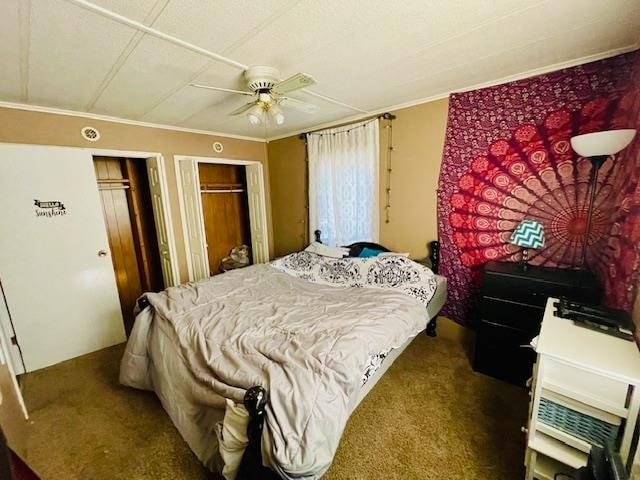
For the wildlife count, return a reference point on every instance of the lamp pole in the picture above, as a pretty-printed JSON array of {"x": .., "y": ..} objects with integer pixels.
[{"x": 596, "y": 162}]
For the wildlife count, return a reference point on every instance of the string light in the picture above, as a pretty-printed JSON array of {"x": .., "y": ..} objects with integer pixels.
[{"x": 387, "y": 207}]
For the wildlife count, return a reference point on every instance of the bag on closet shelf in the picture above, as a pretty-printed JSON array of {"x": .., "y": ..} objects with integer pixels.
[{"x": 237, "y": 258}]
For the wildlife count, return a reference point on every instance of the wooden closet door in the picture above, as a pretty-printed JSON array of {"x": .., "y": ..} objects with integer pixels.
[
  {"x": 226, "y": 215},
  {"x": 120, "y": 233},
  {"x": 144, "y": 228}
]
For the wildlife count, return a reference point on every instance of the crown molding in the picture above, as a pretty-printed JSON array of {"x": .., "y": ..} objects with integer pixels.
[
  {"x": 510, "y": 78},
  {"x": 108, "y": 118}
]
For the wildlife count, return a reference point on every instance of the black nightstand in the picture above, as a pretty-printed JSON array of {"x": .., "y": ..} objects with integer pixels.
[{"x": 511, "y": 310}]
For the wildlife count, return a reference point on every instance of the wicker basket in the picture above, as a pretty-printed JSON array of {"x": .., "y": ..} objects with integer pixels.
[{"x": 582, "y": 426}]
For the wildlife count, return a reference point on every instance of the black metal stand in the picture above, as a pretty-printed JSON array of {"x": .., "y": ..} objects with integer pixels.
[{"x": 596, "y": 163}]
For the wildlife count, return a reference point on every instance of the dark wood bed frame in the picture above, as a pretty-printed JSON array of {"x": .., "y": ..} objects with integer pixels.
[{"x": 255, "y": 400}]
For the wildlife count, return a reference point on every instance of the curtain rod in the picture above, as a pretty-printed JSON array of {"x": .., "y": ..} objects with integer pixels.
[{"x": 384, "y": 116}]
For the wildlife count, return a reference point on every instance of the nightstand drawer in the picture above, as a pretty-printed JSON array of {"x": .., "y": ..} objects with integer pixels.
[
  {"x": 511, "y": 314},
  {"x": 526, "y": 290},
  {"x": 499, "y": 353},
  {"x": 588, "y": 387},
  {"x": 535, "y": 284}
]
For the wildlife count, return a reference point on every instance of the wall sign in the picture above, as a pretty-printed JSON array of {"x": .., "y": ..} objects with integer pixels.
[{"x": 49, "y": 208}]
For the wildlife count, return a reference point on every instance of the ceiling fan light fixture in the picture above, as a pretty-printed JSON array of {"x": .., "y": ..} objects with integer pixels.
[
  {"x": 253, "y": 119},
  {"x": 276, "y": 113},
  {"x": 255, "y": 115},
  {"x": 264, "y": 97}
]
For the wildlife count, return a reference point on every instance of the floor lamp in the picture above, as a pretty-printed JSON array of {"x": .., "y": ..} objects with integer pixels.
[{"x": 598, "y": 147}]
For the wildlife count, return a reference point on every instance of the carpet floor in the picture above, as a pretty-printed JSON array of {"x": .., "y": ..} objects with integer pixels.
[{"x": 430, "y": 418}]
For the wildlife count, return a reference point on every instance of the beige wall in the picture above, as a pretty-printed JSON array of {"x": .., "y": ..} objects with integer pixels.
[
  {"x": 418, "y": 140},
  {"x": 21, "y": 126}
]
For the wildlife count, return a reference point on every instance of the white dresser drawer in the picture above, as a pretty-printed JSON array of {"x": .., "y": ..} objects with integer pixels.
[{"x": 588, "y": 387}]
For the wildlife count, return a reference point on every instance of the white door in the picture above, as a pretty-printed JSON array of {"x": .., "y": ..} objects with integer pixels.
[
  {"x": 191, "y": 204},
  {"x": 9, "y": 336},
  {"x": 257, "y": 213},
  {"x": 11, "y": 358},
  {"x": 162, "y": 219},
  {"x": 55, "y": 264}
]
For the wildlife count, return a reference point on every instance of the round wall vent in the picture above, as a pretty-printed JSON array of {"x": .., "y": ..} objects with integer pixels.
[
  {"x": 90, "y": 133},
  {"x": 217, "y": 147}
]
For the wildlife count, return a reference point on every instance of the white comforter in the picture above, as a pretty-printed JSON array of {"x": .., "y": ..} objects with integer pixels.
[{"x": 306, "y": 343}]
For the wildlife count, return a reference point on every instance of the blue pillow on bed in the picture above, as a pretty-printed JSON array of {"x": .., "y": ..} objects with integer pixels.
[{"x": 369, "y": 252}]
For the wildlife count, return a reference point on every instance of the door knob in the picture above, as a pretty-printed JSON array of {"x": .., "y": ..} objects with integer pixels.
[{"x": 102, "y": 253}]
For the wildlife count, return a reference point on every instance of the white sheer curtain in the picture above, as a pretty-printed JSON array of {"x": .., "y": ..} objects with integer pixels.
[{"x": 343, "y": 183}]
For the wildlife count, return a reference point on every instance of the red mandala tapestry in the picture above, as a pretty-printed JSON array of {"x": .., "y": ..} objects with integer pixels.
[
  {"x": 535, "y": 175},
  {"x": 508, "y": 157}
]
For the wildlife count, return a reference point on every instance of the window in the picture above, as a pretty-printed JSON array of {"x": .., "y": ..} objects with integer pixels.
[{"x": 343, "y": 183}]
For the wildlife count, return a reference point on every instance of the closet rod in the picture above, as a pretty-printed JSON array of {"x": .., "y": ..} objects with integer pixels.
[
  {"x": 114, "y": 187},
  {"x": 106, "y": 181},
  {"x": 209, "y": 186},
  {"x": 235, "y": 190}
]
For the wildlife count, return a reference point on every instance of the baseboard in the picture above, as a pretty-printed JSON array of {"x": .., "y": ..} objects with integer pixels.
[{"x": 452, "y": 331}]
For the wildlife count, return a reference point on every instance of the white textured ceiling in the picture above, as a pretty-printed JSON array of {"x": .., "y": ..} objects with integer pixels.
[{"x": 368, "y": 54}]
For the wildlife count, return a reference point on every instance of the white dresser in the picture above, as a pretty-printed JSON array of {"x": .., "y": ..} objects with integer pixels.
[{"x": 585, "y": 384}]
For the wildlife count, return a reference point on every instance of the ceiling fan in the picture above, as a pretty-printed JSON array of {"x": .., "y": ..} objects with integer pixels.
[{"x": 269, "y": 94}]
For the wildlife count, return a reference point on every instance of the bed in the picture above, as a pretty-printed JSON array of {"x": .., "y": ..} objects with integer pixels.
[{"x": 197, "y": 401}]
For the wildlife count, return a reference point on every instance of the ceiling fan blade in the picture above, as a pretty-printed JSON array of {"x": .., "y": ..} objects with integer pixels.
[
  {"x": 220, "y": 89},
  {"x": 298, "y": 104},
  {"x": 243, "y": 108},
  {"x": 295, "y": 82}
]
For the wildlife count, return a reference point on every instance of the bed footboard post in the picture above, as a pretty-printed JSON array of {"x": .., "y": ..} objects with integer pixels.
[
  {"x": 431, "y": 326},
  {"x": 255, "y": 401},
  {"x": 434, "y": 255},
  {"x": 317, "y": 234}
]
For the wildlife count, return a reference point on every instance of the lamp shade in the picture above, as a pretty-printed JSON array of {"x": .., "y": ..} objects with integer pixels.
[
  {"x": 607, "y": 142},
  {"x": 528, "y": 234}
]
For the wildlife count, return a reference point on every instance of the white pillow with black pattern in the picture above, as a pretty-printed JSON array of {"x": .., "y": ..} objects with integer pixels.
[{"x": 327, "y": 251}]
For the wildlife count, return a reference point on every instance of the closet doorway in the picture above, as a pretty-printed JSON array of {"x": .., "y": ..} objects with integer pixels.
[
  {"x": 223, "y": 205},
  {"x": 225, "y": 211},
  {"x": 129, "y": 218}
]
